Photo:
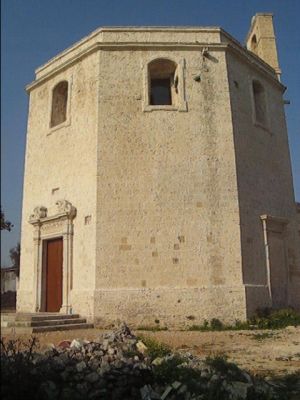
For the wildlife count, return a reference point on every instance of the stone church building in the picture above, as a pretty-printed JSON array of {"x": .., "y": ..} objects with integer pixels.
[{"x": 158, "y": 181}]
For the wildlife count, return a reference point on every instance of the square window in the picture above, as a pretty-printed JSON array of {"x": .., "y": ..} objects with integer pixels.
[{"x": 160, "y": 92}]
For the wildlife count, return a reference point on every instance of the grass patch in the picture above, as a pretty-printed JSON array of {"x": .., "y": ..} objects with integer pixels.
[
  {"x": 151, "y": 328},
  {"x": 268, "y": 319},
  {"x": 130, "y": 353},
  {"x": 264, "y": 319},
  {"x": 171, "y": 370},
  {"x": 154, "y": 348}
]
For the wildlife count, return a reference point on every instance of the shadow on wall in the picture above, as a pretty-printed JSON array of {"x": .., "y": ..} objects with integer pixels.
[{"x": 8, "y": 300}]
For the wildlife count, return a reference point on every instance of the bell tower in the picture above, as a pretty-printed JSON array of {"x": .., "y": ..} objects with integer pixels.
[{"x": 261, "y": 40}]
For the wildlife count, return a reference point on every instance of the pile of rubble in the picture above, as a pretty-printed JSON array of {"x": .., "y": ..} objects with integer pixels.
[{"x": 119, "y": 366}]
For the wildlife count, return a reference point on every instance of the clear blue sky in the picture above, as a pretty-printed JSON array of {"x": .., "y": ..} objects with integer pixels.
[{"x": 33, "y": 31}]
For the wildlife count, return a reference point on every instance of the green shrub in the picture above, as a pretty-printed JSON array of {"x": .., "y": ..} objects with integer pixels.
[
  {"x": 197, "y": 328},
  {"x": 239, "y": 325},
  {"x": 264, "y": 319},
  {"x": 167, "y": 371},
  {"x": 216, "y": 324},
  {"x": 276, "y": 319},
  {"x": 191, "y": 317},
  {"x": 20, "y": 379},
  {"x": 154, "y": 348},
  {"x": 151, "y": 328}
]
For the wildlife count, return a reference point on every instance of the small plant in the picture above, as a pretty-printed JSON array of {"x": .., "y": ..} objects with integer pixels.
[
  {"x": 205, "y": 324},
  {"x": 196, "y": 328},
  {"x": 17, "y": 367},
  {"x": 152, "y": 328},
  {"x": 191, "y": 317},
  {"x": 154, "y": 348},
  {"x": 130, "y": 353},
  {"x": 216, "y": 324},
  {"x": 171, "y": 370},
  {"x": 15, "y": 350},
  {"x": 239, "y": 325}
]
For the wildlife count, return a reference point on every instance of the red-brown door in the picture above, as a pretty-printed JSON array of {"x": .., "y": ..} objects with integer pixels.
[{"x": 54, "y": 258}]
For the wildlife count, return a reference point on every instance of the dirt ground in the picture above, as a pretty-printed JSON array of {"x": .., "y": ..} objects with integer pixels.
[{"x": 264, "y": 352}]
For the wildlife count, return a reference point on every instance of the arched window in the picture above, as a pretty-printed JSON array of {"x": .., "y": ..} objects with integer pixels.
[
  {"x": 254, "y": 44},
  {"x": 59, "y": 103},
  {"x": 163, "y": 82},
  {"x": 260, "y": 106}
]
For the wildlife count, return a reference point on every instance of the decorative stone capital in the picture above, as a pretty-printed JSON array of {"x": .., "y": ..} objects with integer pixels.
[
  {"x": 65, "y": 207},
  {"x": 38, "y": 213},
  {"x": 40, "y": 216},
  {"x": 274, "y": 224}
]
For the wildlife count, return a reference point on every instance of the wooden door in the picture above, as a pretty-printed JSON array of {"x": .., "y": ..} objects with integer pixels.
[{"x": 54, "y": 264}]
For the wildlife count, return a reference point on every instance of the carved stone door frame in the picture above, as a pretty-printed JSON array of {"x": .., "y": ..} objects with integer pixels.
[
  {"x": 51, "y": 227},
  {"x": 274, "y": 225}
]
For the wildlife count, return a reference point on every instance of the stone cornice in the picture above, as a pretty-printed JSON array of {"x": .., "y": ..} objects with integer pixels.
[
  {"x": 119, "y": 29},
  {"x": 234, "y": 46},
  {"x": 257, "y": 63},
  {"x": 48, "y": 219},
  {"x": 122, "y": 46}
]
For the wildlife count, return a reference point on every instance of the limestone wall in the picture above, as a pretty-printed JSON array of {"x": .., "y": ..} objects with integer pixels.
[
  {"x": 61, "y": 164},
  {"x": 167, "y": 213},
  {"x": 264, "y": 179}
]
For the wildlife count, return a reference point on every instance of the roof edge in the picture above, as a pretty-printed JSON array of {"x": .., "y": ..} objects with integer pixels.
[{"x": 125, "y": 29}]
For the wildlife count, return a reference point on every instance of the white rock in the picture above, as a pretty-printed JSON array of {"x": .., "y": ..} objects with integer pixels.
[
  {"x": 105, "y": 344},
  {"x": 239, "y": 390},
  {"x": 166, "y": 392},
  {"x": 76, "y": 344},
  {"x": 157, "y": 361},
  {"x": 148, "y": 393},
  {"x": 291, "y": 328},
  {"x": 92, "y": 377},
  {"x": 176, "y": 385},
  {"x": 81, "y": 366},
  {"x": 141, "y": 347}
]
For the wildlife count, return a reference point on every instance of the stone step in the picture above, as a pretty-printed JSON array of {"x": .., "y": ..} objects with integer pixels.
[
  {"x": 29, "y": 323},
  {"x": 51, "y": 322},
  {"x": 8, "y": 317},
  {"x": 29, "y": 330},
  {"x": 45, "y": 317},
  {"x": 54, "y": 322},
  {"x": 67, "y": 327}
]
